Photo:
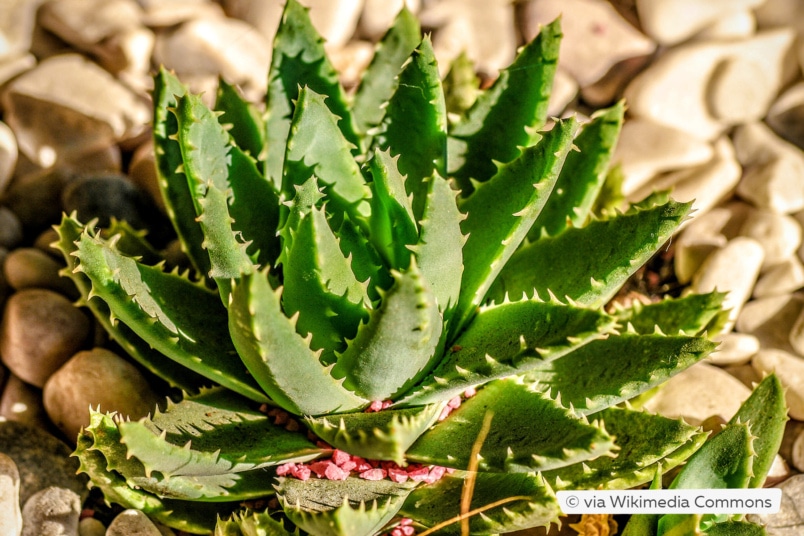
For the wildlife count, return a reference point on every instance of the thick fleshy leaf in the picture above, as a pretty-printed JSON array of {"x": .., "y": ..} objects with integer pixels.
[
  {"x": 506, "y": 116},
  {"x": 397, "y": 346},
  {"x": 253, "y": 524},
  {"x": 500, "y": 503},
  {"x": 351, "y": 507},
  {"x": 590, "y": 264},
  {"x": 461, "y": 86},
  {"x": 382, "y": 435},
  {"x": 321, "y": 287},
  {"x": 510, "y": 339},
  {"x": 174, "y": 373},
  {"x": 501, "y": 211},
  {"x": 582, "y": 176},
  {"x": 179, "y": 318},
  {"x": 438, "y": 251},
  {"x": 172, "y": 182},
  {"x": 689, "y": 315},
  {"x": 736, "y": 528},
  {"x": 724, "y": 461},
  {"x": 190, "y": 516},
  {"x": 766, "y": 413},
  {"x": 393, "y": 226},
  {"x": 280, "y": 359},
  {"x": 315, "y": 146},
  {"x": 606, "y": 372},
  {"x": 415, "y": 124},
  {"x": 560, "y": 439},
  {"x": 644, "y": 443},
  {"x": 379, "y": 79},
  {"x": 241, "y": 119},
  {"x": 298, "y": 60}
]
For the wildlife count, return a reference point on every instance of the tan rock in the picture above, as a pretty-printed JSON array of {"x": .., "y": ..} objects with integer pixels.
[
  {"x": 674, "y": 90},
  {"x": 737, "y": 25},
  {"x": 779, "y": 235},
  {"x": 52, "y": 510},
  {"x": 32, "y": 268},
  {"x": 700, "y": 392},
  {"x": 596, "y": 37},
  {"x": 86, "y": 24},
  {"x": 10, "y": 513},
  {"x": 786, "y": 115},
  {"x": 771, "y": 320},
  {"x": 8, "y": 155},
  {"x": 378, "y": 15},
  {"x": 22, "y": 402},
  {"x": 734, "y": 349},
  {"x": 784, "y": 278},
  {"x": 164, "y": 13},
  {"x": 40, "y": 331},
  {"x": 732, "y": 269},
  {"x": 790, "y": 370},
  {"x": 335, "y": 20},
  {"x": 672, "y": 21},
  {"x": 68, "y": 104},
  {"x": 84, "y": 381},
  {"x": 264, "y": 16},
  {"x": 17, "y": 22},
  {"x": 131, "y": 522}
]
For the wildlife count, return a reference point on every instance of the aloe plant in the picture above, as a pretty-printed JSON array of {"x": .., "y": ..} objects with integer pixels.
[{"x": 392, "y": 321}]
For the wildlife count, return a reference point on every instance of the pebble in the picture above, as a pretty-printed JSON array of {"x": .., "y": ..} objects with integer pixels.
[
  {"x": 789, "y": 520},
  {"x": 737, "y": 25},
  {"x": 22, "y": 402},
  {"x": 142, "y": 172},
  {"x": 89, "y": 526},
  {"x": 674, "y": 90},
  {"x": 335, "y": 20},
  {"x": 790, "y": 369},
  {"x": 10, "y": 229},
  {"x": 483, "y": 29},
  {"x": 786, "y": 115},
  {"x": 733, "y": 269},
  {"x": 41, "y": 329},
  {"x": 17, "y": 21},
  {"x": 735, "y": 349},
  {"x": 779, "y": 235},
  {"x": 378, "y": 15},
  {"x": 773, "y": 13},
  {"x": 672, "y": 21},
  {"x": 69, "y": 105},
  {"x": 784, "y": 278},
  {"x": 596, "y": 36},
  {"x": 8, "y": 154},
  {"x": 264, "y": 16},
  {"x": 10, "y": 514},
  {"x": 698, "y": 393},
  {"x": 84, "y": 381},
  {"x": 564, "y": 91},
  {"x": 110, "y": 196},
  {"x": 798, "y": 452},
  {"x": 771, "y": 319},
  {"x": 162, "y": 14},
  {"x": 11, "y": 67},
  {"x": 42, "y": 460},
  {"x": 52, "y": 511},
  {"x": 130, "y": 57},
  {"x": 34, "y": 199},
  {"x": 774, "y": 169},
  {"x": 646, "y": 148},
  {"x": 779, "y": 472},
  {"x": 704, "y": 185},
  {"x": 33, "y": 268},
  {"x": 132, "y": 523},
  {"x": 209, "y": 46},
  {"x": 745, "y": 374}
]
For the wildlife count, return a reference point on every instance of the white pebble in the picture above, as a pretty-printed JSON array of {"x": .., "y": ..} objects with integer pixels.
[
  {"x": 771, "y": 319},
  {"x": 779, "y": 235},
  {"x": 131, "y": 522},
  {"x": 672, "y": 21},
  {"x": 784, "y": 278},
  {"x": 735, "y": 349},
  {"x": 790, "y": 370},
  {"x": 10, "y": 514}
]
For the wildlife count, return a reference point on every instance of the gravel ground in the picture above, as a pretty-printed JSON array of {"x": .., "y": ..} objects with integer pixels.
[{"x": 715, "y": 98}]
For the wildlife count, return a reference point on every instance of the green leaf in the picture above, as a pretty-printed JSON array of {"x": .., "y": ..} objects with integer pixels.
[
  {"x": 500, "y": 503},
  {"x": 382, "y": 435},
  {"x": 645, "y": 444},
  {"x": 606, "y": 372},
  {"x": 689, "y": 315},
  {"x": 590, "y": 264},
  {"x": 501, "y": 211},
  {"x": 241, "y": 119},
  {"x": 724, "y": 461},
  {"x": 766, "y": 413},
  {"x": 415, "y": 124},
  {"x": 316, "y": 146},
  {"x": 582, "y": 176},
  {"x": 560, "y": 439},
  {"x": 299, "y": 60},
  {"x": 172, "y": 182},
  {"x": 461, "y": 86},
  {"x": 190, "y": 516},
  {"x": 351, "y": 507},
  {"x": 438, "y": 251},
  {"x": 252, "y": 524},
  {"x": 505, "y": 117},
  {"x": 396, "y": 348},
  {"x": 179, "y": 318},
  {"x": 379, "y": 79},
  {"x": 393, "y": 226},
  {"x": 736, "y": 528},
  {"x": 174, "y": 373},
  {"x": 279, "y": 359},
  {"x": 321, "y": 287},
  {"x": 510, "y": 339}
]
